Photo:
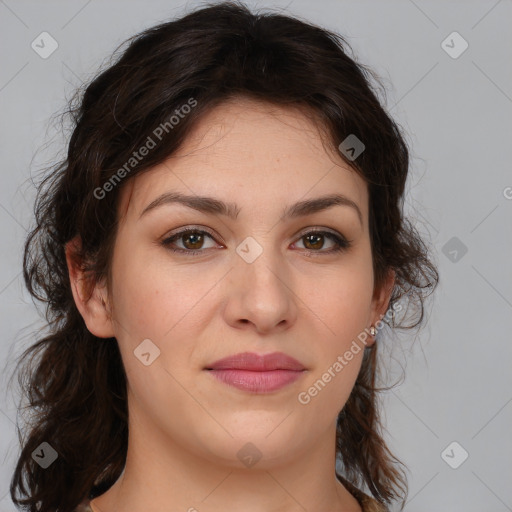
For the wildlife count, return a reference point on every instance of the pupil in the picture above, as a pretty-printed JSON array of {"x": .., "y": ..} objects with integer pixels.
[
  {"x": 198, "y": 241},
  {"x": 318, "y": 237}
]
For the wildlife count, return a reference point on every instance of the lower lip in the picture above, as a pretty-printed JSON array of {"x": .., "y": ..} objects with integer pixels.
[{"x": 257, "y": 382}]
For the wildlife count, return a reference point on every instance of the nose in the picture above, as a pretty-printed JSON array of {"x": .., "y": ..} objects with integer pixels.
[{"x": 260, "y": 294}]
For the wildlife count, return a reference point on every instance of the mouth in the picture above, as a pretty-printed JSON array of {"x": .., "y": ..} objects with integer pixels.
[{"x": 257, "y": 373}]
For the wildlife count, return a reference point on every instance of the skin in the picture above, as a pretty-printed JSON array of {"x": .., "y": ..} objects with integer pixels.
[{"x": 185, "y": 426}]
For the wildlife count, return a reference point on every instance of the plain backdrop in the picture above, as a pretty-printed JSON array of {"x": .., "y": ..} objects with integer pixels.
[{"x": 455, "y": 104}]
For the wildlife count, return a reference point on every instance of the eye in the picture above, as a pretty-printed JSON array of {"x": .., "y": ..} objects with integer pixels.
[
  {"x": 314, "y": 240},
  {"x": 193, "y": 241}
]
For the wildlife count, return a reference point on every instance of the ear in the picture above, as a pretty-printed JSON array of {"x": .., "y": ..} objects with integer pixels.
[
  {"x": 381, "y": 297},
  {"x": 93, "y": 304}
]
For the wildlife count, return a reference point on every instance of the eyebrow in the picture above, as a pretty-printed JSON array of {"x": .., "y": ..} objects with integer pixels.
[{"x": 211, "y": 205}]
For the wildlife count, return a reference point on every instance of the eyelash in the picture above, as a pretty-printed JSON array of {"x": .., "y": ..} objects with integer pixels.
[{"x": 341, "y": 243}]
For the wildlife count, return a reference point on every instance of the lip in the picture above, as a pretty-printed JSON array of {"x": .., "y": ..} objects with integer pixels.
[{"x": 257, "y": 373}]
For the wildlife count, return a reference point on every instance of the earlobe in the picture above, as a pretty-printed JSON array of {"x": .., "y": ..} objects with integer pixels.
[{"x": 90, "y": 298}]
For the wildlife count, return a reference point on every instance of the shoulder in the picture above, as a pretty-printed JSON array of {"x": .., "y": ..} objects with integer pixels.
[{"x": 367, "y": 503}]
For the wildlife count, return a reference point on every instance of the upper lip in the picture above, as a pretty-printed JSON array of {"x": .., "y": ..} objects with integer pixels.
[{"x": 257, "y": 363}]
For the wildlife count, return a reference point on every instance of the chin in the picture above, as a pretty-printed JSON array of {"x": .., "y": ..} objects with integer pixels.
[{"x": 257, "y": 447}]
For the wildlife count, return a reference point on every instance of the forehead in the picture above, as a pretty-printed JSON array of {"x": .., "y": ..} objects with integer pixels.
[{"x": 251, "y": 153}]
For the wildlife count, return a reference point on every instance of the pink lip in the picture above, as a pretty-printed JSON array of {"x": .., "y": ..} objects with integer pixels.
[{"x": 257, "y": 373}]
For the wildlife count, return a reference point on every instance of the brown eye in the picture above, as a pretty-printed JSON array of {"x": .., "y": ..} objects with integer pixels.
[
  {"x": 314, "y": 241},
  {"x": 195, "y": 239},
  {"x": 191, "y": 239}
]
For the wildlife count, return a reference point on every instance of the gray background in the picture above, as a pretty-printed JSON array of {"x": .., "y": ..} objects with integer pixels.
[{"x": 457, "y": 114}]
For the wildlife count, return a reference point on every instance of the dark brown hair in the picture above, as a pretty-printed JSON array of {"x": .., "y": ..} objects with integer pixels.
[{"x": 75, "y": 383}]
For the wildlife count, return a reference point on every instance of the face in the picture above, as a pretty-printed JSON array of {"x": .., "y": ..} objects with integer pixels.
[{"x": 247, "y": 280}]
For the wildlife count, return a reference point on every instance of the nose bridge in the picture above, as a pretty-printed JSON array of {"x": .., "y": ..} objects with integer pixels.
[
  {"x": 258, "y": 260},
  {"x": 263, "y": 296}
]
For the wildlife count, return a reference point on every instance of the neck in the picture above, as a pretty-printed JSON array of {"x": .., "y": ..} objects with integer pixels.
[{"x": 160, "y": 474}]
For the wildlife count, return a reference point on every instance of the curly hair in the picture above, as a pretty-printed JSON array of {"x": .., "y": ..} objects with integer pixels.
[{"x": 74, "y": 384}]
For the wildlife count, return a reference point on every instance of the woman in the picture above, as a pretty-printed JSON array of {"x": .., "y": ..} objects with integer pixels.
[{"x": 217, "y": 253}]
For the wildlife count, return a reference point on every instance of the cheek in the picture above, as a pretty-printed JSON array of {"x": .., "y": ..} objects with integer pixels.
[
  {"x": 153, "y": 302},
  {"x": 341, "y": 302},
  {"x": 169, "y": 306},
  {"x": 340, "y": 307},
  {"x": 152, "y": 298}
]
